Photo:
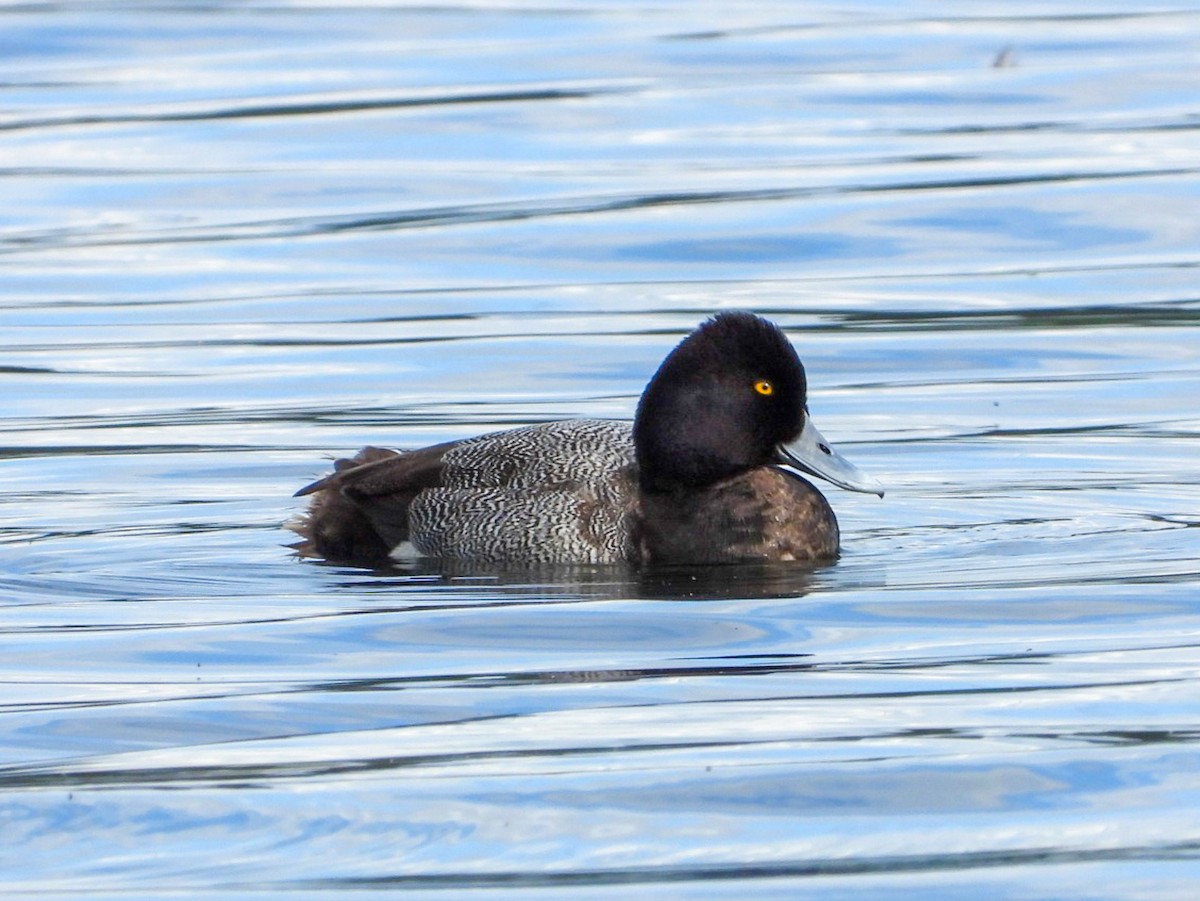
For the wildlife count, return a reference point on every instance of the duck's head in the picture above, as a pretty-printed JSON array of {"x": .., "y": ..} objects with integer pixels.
[{"x": 732, "y": 397}]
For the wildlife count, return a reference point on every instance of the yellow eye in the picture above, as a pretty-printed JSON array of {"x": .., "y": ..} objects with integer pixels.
[{"x": 763, "y": 387}]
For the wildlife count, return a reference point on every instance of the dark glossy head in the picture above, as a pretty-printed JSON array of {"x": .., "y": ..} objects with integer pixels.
[{"x": 722, "y": 402}]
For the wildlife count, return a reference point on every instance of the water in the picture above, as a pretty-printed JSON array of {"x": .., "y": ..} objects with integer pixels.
[{"x": 239, "y": 238}]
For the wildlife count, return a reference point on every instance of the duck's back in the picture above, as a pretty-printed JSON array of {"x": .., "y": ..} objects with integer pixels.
[
  {"x": 554, "y": 493},
  {"x": 562, "y": 492}
]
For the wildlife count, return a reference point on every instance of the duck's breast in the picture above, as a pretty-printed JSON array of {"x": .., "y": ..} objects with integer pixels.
[{"x": 764, "y": 515}]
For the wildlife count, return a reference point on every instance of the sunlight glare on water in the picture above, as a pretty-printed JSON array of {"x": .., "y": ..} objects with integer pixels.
[{"x": 243, "y": 238}]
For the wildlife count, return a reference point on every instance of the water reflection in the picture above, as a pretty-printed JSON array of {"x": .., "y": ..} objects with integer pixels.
[{"x": 747, "y": 581}]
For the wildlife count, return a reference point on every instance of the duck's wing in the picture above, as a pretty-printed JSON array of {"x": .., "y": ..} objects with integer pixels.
[
  {"x": 376, "y": 470},
  {"x": 555, "y": 491},
  {"x": 359, "y": 512},
  {"x": 558, "y": 492}
]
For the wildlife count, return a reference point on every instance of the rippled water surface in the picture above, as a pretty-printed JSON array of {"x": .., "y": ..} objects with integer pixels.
[{"x": 239, "y": 238}]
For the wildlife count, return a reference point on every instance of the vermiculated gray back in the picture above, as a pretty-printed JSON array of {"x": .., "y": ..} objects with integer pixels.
[{"x": 553, "y": 493}]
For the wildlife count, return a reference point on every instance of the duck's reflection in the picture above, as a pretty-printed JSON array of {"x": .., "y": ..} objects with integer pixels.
[{"x": 558, "y": 582}]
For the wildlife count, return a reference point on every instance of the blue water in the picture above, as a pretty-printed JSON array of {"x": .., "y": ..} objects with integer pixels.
[{"x": 239, "y": 239}]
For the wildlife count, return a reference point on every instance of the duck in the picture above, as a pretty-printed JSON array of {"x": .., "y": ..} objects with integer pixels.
[{"x": 712, "y": 470}]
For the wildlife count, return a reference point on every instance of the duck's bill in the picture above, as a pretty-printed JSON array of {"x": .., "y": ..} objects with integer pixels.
[{"x": 812, "y": 453}]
